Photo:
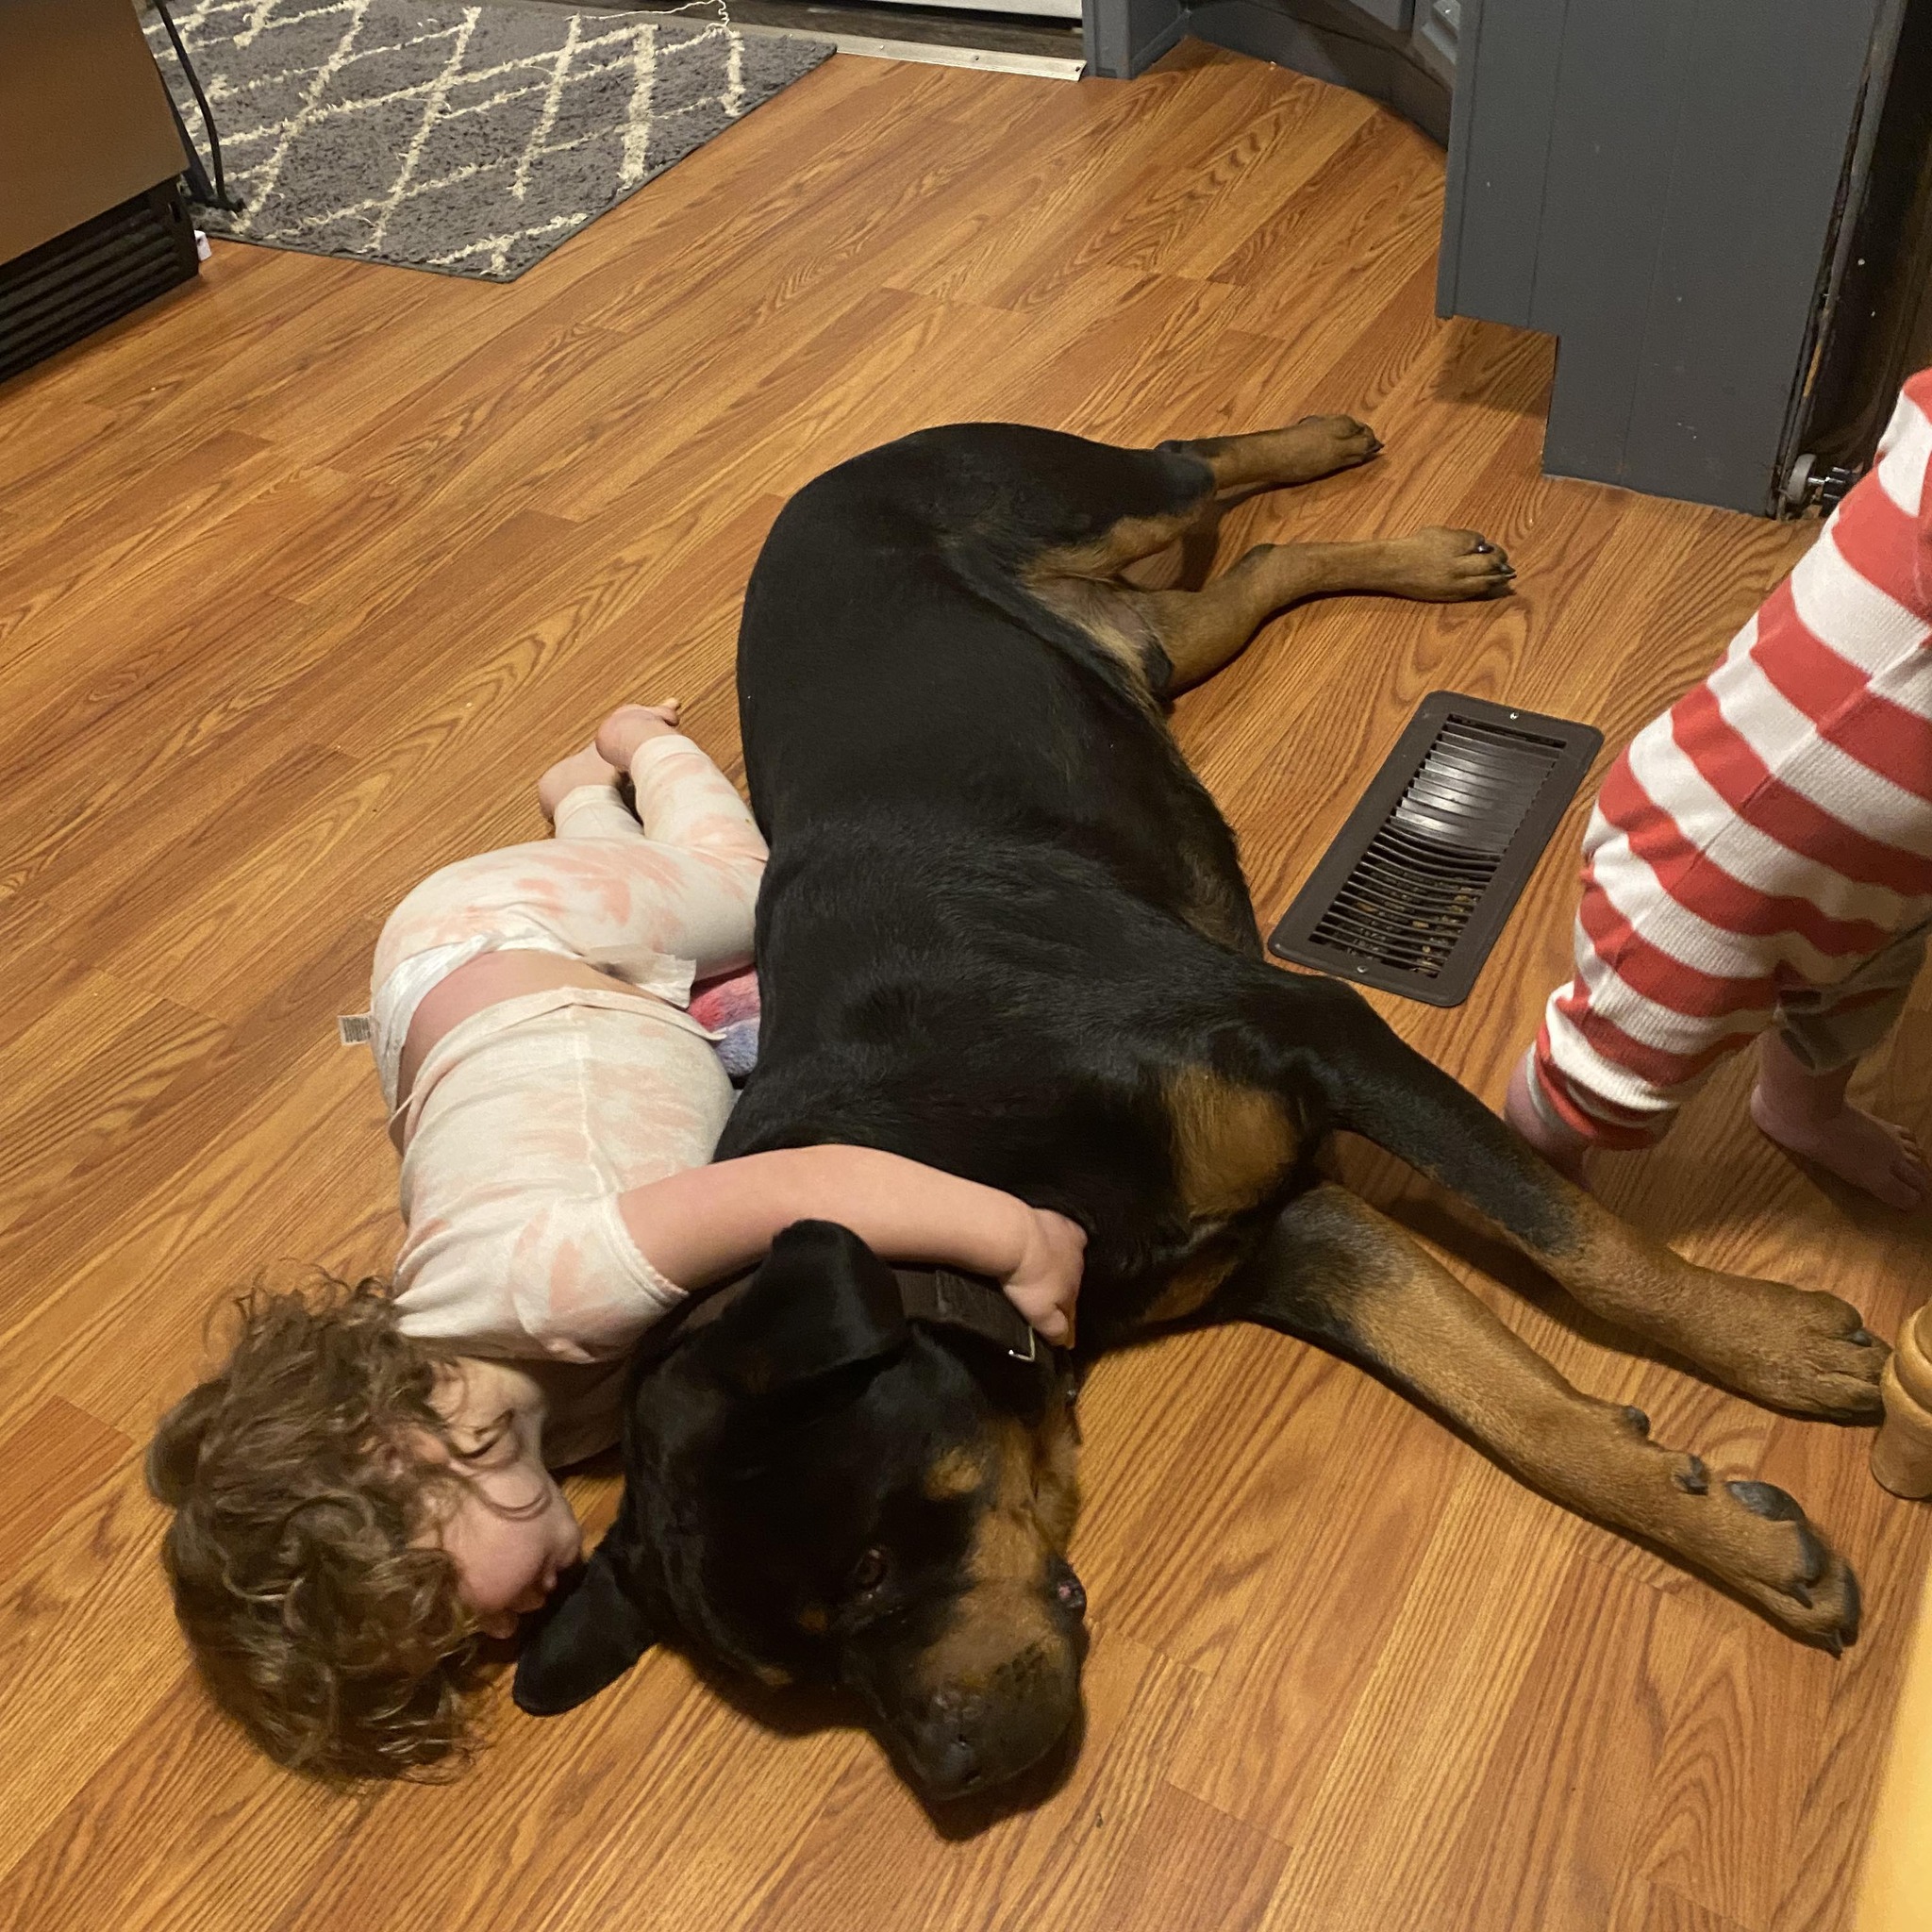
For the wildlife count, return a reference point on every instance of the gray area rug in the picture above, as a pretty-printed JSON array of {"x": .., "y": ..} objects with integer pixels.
[{"x": 472, "y": 140}]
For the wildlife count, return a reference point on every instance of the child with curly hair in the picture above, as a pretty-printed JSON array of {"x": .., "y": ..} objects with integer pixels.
[{"x": 364, "y": 1491}]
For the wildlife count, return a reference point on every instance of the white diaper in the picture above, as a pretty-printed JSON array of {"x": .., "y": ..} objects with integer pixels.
[{"x": 395, "y": 1003}]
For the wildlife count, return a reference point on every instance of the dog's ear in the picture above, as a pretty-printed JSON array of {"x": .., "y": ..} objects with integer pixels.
[
  {"x": 821, "y": 1300},
  {"x": 589, "y": 1636}
]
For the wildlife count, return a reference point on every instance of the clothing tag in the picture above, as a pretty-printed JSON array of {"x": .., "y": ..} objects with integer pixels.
[{"x": 354, "y": 1028}]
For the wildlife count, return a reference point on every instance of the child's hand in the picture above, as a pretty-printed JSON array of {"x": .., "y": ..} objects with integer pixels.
[{"x": 1046, "y": 1283}]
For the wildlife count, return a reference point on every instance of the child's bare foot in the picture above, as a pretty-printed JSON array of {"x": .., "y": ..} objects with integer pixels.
[
  {"x": 1809, "y": 1115},
  {"x": 585, "y": 767},
  {"x": 626, "y": 727},
  {"x": 1560, "y": 1145}
]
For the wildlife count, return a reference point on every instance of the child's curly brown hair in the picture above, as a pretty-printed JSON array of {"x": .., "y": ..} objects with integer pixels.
[{"x": 302, "y": 1477}]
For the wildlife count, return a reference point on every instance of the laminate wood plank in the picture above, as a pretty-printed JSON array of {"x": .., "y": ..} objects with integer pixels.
[
  {"x": 1546, "y": 1842},
  {"x": 99, "y": 1861},
  {"x": 239, "y": 347},
  {"x": 110, "y": 513},
  {"x": 698, "y": 441},
  {"x": 716, "y": 249},
  {"x": 1730, "y": 1702},
  {"x": 1643, "y": 1907},
  {"x": 1219, "y": 1467},
  {"x": 277, "y": 881},
  {"x": 84, "y": 1077},
  {"x": 1058, "y": 192},
  {"x": 44, "y": 439},
  {"x": 1404, "y": 1781},
  {"x": 127, "y": 767},
  {"x": 1309, "y": 1629},
  {"x": 1241, "y": 1546},
  {"x": 260, "y": 1176},
  {"x": 1114, "y": 218},
  {"x": 1236, "y": 191},
  {"x": 1821, "y": 1870},
  {"x": 1190, "y": 1868},
  {"x": 1164, "y": 314},
  {"x": 727, "y": 198},
  {"x": 94, "y": 618},
  {"x": 137, "y": 897},
  {"x": 55, "y": 1457},
  {"x": 642, "y": 1810},
  {"x": 84, "y": 1619}
]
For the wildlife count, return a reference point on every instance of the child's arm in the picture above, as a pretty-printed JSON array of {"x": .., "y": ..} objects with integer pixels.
[{"x": 708, "y": 1222}]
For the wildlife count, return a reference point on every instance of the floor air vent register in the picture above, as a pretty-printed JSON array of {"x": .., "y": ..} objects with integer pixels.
[{"x": 1414, "y": 890}]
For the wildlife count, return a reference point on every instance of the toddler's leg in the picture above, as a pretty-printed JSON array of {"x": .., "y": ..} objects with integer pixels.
[
  {"x": 1623, "y": 1047},
  {"x": 683, "y": 798},
  {"x": 579, "y": 798},
  {"x": 679, "y": 880},
  {"x": 1531, "y": 1115},
  {"x": 1807, "y": 1062}
]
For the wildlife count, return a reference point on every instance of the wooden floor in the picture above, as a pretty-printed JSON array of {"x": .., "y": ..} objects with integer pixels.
[{"x": 306, "y": 572}]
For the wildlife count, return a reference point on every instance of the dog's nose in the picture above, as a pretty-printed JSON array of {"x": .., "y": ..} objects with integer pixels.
[
  {"x": 1067, "y": 1588},
  {"x": 953, "y": 1765}
]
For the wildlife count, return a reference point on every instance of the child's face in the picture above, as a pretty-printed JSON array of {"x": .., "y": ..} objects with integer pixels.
[
  {"x": 508, "y": 1526},
  {"x": 510, "y": 1532}
]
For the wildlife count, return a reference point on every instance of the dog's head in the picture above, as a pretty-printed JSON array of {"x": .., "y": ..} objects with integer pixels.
[{"x": 820, "y": 1489}]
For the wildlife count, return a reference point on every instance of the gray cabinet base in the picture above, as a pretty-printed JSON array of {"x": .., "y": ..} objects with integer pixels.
[
  {"x": 1372, "y": 46},
  {"x": 1309, "y": 38}
]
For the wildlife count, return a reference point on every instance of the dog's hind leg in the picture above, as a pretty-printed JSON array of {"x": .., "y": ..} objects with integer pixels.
[
  {"x": 1201, "y": 630},
  {"x": 1068, "y": 518},
  {"x": 1335, "y": 1272},
  {"x": 1245, "y": 466},
  {"x": 1794, "y": 1349},
  {"x": 1278, "y": 459}
]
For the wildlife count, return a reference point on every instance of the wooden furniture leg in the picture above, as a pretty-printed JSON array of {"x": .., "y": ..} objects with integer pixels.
[
  {"x": 1902, "y": 1455},
  {"x": 1897, "y": 1878}
]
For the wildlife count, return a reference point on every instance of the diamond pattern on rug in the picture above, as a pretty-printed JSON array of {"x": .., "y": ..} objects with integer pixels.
[{"x": 468, "y": 138}]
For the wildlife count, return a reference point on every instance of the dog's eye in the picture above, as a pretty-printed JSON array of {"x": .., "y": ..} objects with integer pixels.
[{"x": 870, "y": 1570}]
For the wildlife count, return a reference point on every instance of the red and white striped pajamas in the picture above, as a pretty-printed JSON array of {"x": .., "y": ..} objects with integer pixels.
[{"x": 1761, "y": 855}]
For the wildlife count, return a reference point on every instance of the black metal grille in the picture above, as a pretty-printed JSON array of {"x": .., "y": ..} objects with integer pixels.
[
  {"x": 1412, "y": 894},
  {"x": 90, "y": 276}
]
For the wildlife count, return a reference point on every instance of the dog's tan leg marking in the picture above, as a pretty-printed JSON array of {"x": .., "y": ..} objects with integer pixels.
[
  {"x": 1232, "y": 1144},
  {"x": 1191, "y": 1286},
  {"x": 1279, "y": 459},
  {"x": 1124, "y": 541},
  {"x": 1232, "y": 1147},
  {"x": 1385, "y": 1299},
  {"x": 1082, "y": 583},
  {"x": 1056, "y": 1476},
  {"x": 1201, "y": 630},
  {"x": 1245, "y": 466},
  {"x": 1795, "y": 1349}
]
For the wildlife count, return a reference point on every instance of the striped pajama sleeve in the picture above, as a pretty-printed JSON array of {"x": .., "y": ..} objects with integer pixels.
[{"x": 1770, "y": 833}]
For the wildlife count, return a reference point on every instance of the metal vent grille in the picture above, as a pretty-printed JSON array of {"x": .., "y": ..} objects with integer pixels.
[
  {"x": 1414, "y": 890},
  {"x": 91, "y": 275}
]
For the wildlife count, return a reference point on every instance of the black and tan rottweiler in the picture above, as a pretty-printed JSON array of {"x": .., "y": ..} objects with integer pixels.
[{"x": 1004, "y": 931}]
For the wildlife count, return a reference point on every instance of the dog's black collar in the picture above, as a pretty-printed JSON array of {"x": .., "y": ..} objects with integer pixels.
[
  {"x": 935, "y": 1295},
  {"x": 970, "y": 1302}
]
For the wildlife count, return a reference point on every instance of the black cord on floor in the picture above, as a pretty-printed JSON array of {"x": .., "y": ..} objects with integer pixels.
[{"x": 222, "y": 198}]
